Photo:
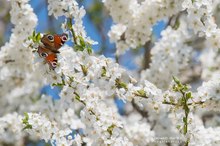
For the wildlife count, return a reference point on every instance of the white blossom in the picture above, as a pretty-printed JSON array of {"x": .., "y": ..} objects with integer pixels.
[
  {"x": 170, "y": 54},
  {"x": 138, "y": 19},
  {"x": 86, "y": 112},
  {"x": 209, "y": 92}
]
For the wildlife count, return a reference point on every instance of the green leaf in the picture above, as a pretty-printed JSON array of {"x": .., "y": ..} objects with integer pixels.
[
  {"x": 176, "y": 80},
  {"x": 89, "y": 49},
  {"x": 58, "y": 84},
  {"x": 188, "y": 95},
  {"x": 103, "y": 71},
  {"x": 176, "y": 25},
  {"x": 27, "y": 127},
  {"x": 71, "y": 79},
  {"x": 156, "y": 108},
  {"x": 178, "y": 127},
  {"x": 186, "y": 109},
  {"x": 25, "y": 122},
  {"x": 33, "y": 34},
  {"x": 30, "y": 38},
  {"x": 141, "y": 93},
  {"x": 120, "y": 84},
  {"x": 110, "y": 129},
  {"x": 184, "y": 119},
  {"x": 38, "y": 37},
  {"x": 78, "y": 48},
  {"x": 185, "y": 88},
  {"x": 26, "y": 117},
  {"x": 84, "y": 69},
  {"x": 82, "y": 42}
]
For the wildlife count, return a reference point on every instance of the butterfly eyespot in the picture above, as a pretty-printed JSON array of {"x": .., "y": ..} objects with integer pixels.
[
  {"x": 54, "y": 64},
  {"x": 64, "y": 38},
  {"x": 50, "y": 37},
  {"x": 44, "y": 54}
]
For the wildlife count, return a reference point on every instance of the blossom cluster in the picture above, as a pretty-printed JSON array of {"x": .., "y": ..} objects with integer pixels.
[
  {"x": 71, "y": 10},
  {"x": 210, "y": 92},
  {"x": 47, "y": 130},
  {"x": 86, "y": 112},
  {"x": 8, "y": 135},
  {"x": 171, "y": 54},
  {"x": 210, "y": 66},
  {"x": 134, "y": 20},
  {"x": 201, "y": 20},
  {"x": 16, "y": 61}
]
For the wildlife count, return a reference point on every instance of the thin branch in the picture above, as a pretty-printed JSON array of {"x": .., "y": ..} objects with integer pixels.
[
  {"x": 147, "y": 55},
  {"x": 139, "y": 110}
]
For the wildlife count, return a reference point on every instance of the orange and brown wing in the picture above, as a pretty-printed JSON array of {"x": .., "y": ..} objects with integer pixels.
[
  {"x": 54, "y": 42},
  {"x": 49, "y": 57},
  {"x": 43, "y": 52},
  {"x": 48, "y": 41},
  {"x": 52, "y": 60},
  {"x": 57, "y": 42}
]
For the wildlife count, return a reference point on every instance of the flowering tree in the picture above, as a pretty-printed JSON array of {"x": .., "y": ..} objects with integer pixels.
[{"x": 173, "y": 98}]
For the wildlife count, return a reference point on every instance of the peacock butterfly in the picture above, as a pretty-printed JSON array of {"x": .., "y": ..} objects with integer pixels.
[{"x": 50, "y": 47}]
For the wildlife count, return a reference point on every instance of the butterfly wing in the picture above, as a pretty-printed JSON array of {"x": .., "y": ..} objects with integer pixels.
[
  {"x": 51, "y": 59},
  {"x": 54, "y": 42},
  {"x": 59, "y": 40},
  {"x": 43, "y": 52},
  {"x": 49, "y": 56},
  {"x": 48, "y": 41}
]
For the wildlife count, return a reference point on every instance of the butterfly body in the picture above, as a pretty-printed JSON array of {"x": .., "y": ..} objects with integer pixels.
[{"x": 50, "y": 47}]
